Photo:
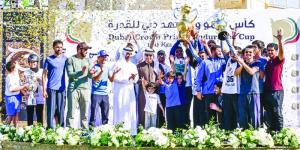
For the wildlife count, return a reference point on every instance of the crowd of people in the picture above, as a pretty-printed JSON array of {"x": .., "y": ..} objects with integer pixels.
[{"x": 238, "y": 88}]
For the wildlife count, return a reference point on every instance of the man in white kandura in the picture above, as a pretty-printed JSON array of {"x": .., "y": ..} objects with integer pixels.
[{"x": 124, "y": 97}]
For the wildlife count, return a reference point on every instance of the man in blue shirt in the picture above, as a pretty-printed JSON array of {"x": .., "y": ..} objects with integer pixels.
[
  {"x": 54, "y": 88},
  {"x": 209, "y": 73},
  {"x": 99, "y": 88}
]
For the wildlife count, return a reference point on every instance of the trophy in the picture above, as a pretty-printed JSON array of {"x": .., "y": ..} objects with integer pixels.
[
  {"x": 31, "y": 80},
  {"x": 185, "y": 24},
  {"x": 220, "y": 25}
]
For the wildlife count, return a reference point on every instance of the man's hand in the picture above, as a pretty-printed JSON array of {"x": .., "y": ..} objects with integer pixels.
[
  {"x": 144, "y": 82},
  {"x": 213, "y": 106},
  {"x": 153, "y": 35},
  {"x": 187, "y": 60},
  {"x": 93, "y": 71},
  {"x": 199, "y": 95},
  {"x": 279, "y": 35},
  {"x": 83, "y": 69},
  {"x": 132, "y": 76},
  {"x": 117, "y": 70},
  {"x": 45, "y": 94},
  {"x": 172, "y": 59},
  {"x": 234, "y": 33},
  {"x": 237, "y": 58},
  {"x": 25, "y": 86}
]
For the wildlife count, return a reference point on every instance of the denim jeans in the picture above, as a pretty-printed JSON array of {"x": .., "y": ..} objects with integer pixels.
[
  {"x": 273, "y": 105},
  {"x": 249, "y": 110}
]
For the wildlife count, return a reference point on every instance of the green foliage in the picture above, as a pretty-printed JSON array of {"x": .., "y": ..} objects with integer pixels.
[{"x": 286, "y": 137}]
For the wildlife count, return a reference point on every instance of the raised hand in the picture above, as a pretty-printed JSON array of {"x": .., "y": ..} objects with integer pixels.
[
  {"x": 234, "y": 33},
  {"x": 133, "y": 35},
  {"x": 154, "y": 34},
  {"x": 128, "y": 37},
  {"x": 172, "y": 59},
  {"x": 187, "y": 60},
  {"x": 279, "y": 35},
  {"x": 203, "y": 42}
]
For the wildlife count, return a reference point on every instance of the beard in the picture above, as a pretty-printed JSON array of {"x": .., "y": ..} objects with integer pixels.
[
  {"x": 58, "y": 52},
  {"x": 83, "y": 54},
  {"x": 36, "y": 69}
]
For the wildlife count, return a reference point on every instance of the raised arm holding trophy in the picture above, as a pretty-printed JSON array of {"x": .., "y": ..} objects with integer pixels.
[
  {"x": 185, "y": 25},
  {"x": 220, "y": 25}
]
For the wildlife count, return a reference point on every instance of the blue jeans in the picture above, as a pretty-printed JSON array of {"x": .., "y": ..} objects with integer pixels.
[
  {"x": 55, "y": 103},
  {"x": 249, "y": 110},
  {"x": 99, "y": 102},
  {"x": 273, "y": 105}
]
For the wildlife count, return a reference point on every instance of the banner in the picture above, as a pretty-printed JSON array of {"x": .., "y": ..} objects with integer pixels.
[{"x": 108, "y": 29}]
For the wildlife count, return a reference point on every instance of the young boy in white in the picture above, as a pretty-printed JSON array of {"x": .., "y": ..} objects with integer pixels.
[{"x": 152, "y": 100}]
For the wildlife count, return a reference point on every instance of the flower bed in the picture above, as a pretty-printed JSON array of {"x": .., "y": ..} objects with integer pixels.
[{"x": 111, "y": 137}]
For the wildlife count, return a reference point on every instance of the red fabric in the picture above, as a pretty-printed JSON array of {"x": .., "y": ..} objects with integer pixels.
[{"x": 273, "y": 74}]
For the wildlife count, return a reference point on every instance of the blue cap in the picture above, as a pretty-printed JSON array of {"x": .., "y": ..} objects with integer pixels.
[{"x": 102, "y": 53}]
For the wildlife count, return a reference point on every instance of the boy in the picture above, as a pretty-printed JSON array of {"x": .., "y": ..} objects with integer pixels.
[
  {"x": 34, "y": 94},
  {"x": 218, "y": 106},
  {"x": 249, "y": 99},
  {"x": 152, "y": 99}
]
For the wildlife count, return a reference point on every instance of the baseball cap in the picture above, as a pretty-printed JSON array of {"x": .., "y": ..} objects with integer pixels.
[
  {"x": 102, "y": 53},
  {"x": 161, "y": 52},
  {"x": 83, "y": 45}
]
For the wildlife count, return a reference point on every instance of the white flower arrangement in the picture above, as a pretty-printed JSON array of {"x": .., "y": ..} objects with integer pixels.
[
  {"x": 157, "y": 137},
  {"x": 108, "y": 135}
]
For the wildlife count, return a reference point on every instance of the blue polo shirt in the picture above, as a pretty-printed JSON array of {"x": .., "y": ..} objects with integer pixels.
[{"x": 172, "y": 94}]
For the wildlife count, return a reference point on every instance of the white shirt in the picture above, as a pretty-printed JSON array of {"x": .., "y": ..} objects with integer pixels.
[
  {"x": 231, "y": 82},
  {"x": 11, "y": 81},
  {"x": 151, "y": 102}
]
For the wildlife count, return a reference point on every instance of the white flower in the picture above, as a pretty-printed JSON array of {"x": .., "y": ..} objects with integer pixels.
[
  {"x": 59, "y": 142},
  {"x": 263, "y": 138},
  {"x": 62, "y": 132},
  {"x": 234, "y": 141},
  {"x": 20, "y": 132},
  {"x": 73, "y": 140},
  {"x": 202, "y": 134}
]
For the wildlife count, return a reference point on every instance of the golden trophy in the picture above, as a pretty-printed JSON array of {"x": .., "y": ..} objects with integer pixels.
[
  {"x": 220, "y": 25},
  {"x": 186, "y": 23}
]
